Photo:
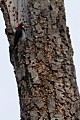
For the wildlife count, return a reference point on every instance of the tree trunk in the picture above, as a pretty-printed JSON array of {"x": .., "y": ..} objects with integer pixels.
[{"x": 43, "y": 63}]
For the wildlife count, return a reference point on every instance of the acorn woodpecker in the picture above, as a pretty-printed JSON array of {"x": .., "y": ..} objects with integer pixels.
[{"x": 19, "y": 34}]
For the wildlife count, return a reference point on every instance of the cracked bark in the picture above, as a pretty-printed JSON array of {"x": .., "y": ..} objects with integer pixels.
[{"x": 43, "y": 63}]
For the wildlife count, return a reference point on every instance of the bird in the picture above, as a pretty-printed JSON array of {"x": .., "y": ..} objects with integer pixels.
[{"x": 19, "y": 34}]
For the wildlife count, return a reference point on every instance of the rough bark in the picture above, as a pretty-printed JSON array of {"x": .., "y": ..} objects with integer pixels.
[{"x": 43, "y": 63}]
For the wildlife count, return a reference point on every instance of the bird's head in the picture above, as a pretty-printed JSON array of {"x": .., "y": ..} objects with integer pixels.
[
  {"x": 23, "y": 26},
  {"x": 20, "y": 25}
]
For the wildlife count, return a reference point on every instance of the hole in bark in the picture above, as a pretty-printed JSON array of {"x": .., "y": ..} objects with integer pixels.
[
  {"x": 10, "y": 2},
  {"x": 40, "y": 41},
  {"x": 50, "y": 7},
  {"x": 76, "y": 118},
  {"x": 47, "y": 43},
  {"x": 43, "y": 28},
  {"x": 29, "y": 57},
  {"x": 66, "y": 85},
  {"x": 8, "y": 5},
  {"x": 13, "y": 7},
  {"x": 60, "y": 8},
  {"x": 2, "y": 2}
]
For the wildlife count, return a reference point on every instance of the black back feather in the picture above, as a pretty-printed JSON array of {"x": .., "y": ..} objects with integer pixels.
[{"x": 18, "y": 35}]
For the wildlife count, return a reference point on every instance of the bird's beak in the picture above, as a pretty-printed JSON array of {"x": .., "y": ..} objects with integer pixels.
[{"x": 23, "y": 26}]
